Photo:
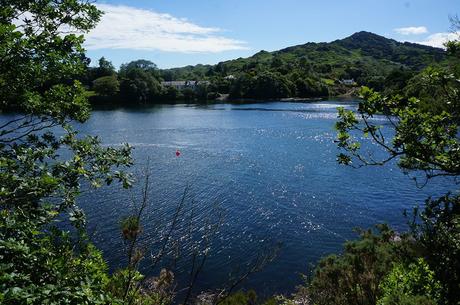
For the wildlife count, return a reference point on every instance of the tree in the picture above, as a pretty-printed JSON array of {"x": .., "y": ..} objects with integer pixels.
[
  {"x": 142, "y": 64},
  {"x": 105, "y": 68},
  {"x": 426, "y": 138},
  {"x": 169, "y": 93},
  {"x": 398, "y": 79},
  {"x": 106, "y": 85},
  {"x": 37, "y": 61},
  {"x": 437, "y": 233},
  {"x": 263, "y": 85},
  {"x": 40, "y": 60},
  {"x": 138, "y": 81},
  {"x": 241, "y": 86},
  {"x": 266, "y": 86},
  {"x": 310, "y": 88}
]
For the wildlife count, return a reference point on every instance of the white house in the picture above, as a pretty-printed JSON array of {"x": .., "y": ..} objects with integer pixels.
[
  {"x": 348, "y": 81},
  {"x": 183, "y": 84}
]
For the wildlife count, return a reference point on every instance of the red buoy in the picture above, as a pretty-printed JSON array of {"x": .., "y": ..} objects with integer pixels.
[{"x": 177, "y": 153}]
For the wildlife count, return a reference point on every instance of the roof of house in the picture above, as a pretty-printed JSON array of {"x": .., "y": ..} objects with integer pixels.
[{"x": 184, "y": 82}]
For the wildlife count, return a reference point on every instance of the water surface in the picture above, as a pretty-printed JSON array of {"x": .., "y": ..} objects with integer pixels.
[{"x": 268, "y": 169}]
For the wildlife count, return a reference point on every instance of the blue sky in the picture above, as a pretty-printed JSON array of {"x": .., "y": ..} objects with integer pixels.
[{"x": 174, "y": 33}]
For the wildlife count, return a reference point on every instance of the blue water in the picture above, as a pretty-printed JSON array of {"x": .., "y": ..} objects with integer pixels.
[{"x": 267, "y": 171}]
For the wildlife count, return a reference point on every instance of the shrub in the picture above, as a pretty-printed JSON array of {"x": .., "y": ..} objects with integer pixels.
[{"x": 415, "y": 279}]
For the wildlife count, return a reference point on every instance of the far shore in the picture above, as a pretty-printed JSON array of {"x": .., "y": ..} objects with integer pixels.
[{"x": 226, "y": 101}]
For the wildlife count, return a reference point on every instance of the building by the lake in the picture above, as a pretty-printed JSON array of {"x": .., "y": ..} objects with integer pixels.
[
  {"x": 348, "y": 82},
  {"x": 181, "y": 85}
]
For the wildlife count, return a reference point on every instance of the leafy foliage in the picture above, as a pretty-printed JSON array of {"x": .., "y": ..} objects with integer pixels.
[
  {"x": 138, "y": 83},
  {"x": 43, "y": 268},
  {"x": 438, "y": 235},
  {"x": 426, "y": 137},
  {"x": 35, "y": 60},
  {"x": 43, "y": 161},
  {"x": 264, "y": 85},
  {"x": 354, "y": 277},
  {"x": 106, "y": 85},
  {"x": 416, "y": 279}
]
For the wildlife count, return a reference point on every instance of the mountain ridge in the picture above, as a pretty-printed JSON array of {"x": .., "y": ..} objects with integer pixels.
[
  {"x": 361, "y": 35},
  {"x": 315, "y": 69}
]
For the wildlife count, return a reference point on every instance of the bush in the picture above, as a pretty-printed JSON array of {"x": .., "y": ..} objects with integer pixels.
[
  {"x": 354, "y": 277},
  {"x": 413, "y": 280},
  {"x": 106, "y": 85},
  {"x": 396, "y": 299},
  {"x": 437, "y": 232},
  {"x": 44, "y": 268}
]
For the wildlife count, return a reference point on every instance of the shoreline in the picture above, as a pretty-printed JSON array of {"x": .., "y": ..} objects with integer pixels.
[{"x": 96, "y": 106}]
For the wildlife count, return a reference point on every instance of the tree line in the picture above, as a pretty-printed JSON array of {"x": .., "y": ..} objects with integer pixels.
[
  {"x": 140, "y": 83},
  {"x": 308, "y": 71}
]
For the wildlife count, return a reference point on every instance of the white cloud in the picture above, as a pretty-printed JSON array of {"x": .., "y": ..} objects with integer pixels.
[
  {"x": 412, "y": 30},
  {"x": 125, "y": 27},
  {"x": 438, "y": 39}
]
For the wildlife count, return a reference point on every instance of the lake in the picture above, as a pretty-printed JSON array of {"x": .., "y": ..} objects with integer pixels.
[{"x": 266, "y": 171}]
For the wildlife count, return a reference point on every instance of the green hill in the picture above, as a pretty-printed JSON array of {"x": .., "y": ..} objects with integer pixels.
[{"x": 315, "y": 69}]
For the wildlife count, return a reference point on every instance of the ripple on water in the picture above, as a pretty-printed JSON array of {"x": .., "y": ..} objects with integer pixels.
[{"x": 268, "y": 170}]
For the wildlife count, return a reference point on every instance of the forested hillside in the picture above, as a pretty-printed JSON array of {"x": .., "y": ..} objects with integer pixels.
[
  {"x": 305, "y": 71},
  {"x": 316, "y": 69}
]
